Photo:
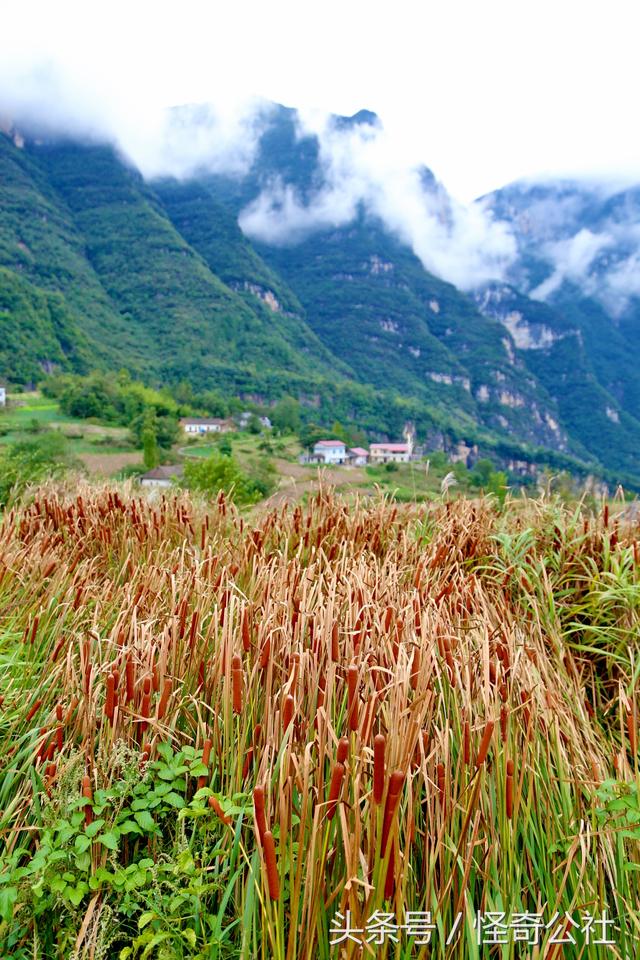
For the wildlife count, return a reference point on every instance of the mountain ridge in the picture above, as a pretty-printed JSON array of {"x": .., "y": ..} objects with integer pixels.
[{"x": 157, "y": 276}]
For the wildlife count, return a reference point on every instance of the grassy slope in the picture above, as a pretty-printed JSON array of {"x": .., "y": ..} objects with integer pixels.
[
  {"x": 211, "y": 230},
  {"x": 176, "y": 308},
  {"x": 40, "y": 244}
]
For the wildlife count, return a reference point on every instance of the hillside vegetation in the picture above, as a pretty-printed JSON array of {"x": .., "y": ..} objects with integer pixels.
[{"x": 100, "y": 270}]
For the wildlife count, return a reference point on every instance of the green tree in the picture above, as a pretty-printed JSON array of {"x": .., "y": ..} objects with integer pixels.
[
  {"x": 167, "y": 429},
  {"x": 286, "y": 416},
  {"x": 221, "y": 472},
  {"x": 151, "y": 456}
]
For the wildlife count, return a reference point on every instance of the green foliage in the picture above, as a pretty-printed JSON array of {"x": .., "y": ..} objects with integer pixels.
[
  {"x": 285, "y": 415},
  {"x": 154, "y": 808},
  {"x": 30, "y": 460},
  {"x": 221, "y": 472},
  {"x": 150, "y": 439}
]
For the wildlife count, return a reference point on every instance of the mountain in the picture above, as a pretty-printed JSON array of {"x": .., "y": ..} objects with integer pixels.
[
  {"x": 579, "y": 252},
  {"x": 77, "y": 222},
  {"x": 100, "y": 268}
]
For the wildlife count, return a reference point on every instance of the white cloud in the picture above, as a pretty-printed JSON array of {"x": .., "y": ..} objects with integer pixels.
[
  {"x": 572, "y": 259},
  {"x": 362, "y": 165}
]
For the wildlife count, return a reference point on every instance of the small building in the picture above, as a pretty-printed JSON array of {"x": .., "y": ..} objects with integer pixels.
[
  {"x": 357, "y": 456},
  {"x": 162, "y": 476},
  {"x": 329, "y": 451},
  {"x": 3, "y": 397},
  {"x": 245, "y": 418},
  {"x": 389, "y": 453},
  {"x": 196, "y": 426}
]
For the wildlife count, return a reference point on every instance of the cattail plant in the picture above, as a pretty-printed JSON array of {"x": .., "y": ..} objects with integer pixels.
[
  {"x": 509, "y": 789},
  {"x": 484, "y": 743}
]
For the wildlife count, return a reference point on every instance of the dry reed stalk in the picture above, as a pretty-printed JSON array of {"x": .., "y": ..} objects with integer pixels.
[
  {"x": 440, "y": 779},
  {"x": 352, "y": 702}
]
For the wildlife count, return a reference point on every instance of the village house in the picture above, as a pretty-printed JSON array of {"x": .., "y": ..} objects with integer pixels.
[
  {"x": 245, "y": 417},
  {"x": 357, "y": 456},
  {"x": 3, "y": 397},
  {"x": 329, "y": 451},
  {"x": 195, "y": 426},
  {"x": 161, "y": 476},
  {"x": 389, "y": 453}
]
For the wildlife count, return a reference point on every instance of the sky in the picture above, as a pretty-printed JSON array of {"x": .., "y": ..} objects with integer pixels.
[{"x": 483, "y": 92}]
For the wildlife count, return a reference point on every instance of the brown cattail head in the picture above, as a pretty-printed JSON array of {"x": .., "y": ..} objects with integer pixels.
[
  {"x": 110, "y": 700},
  {"x": 337, "y": 776},
  {"x": 396, "y": 782},
  {"x": 484, "y": 743},
  {"x": 214, "y": 803},
  {"x": 87, "y": 792},
  {"x": 206, "y": 753},
  {"x": 440, "y": 778},
  {"x": 632, "y": 733},
  {"x": 258, "y": 806},
  {"x": 509, "y": 789},
  {"x": 130, "y": 679},
  {"x": 164, "y": 697},
  {"x": 273, "y": 879},
  {"x": 415, "y": 667},
  {"x": 246, "y": 631},
  {"x": 343, "y": 750},
  {"x": 379, "y": 744},
  {"x": 265, "y": 653},
  {"x": 287, "y": 711},
  {"x": 236, "y": 680},
  {"x": 335, "y": 648},
  {"x": 34, "y": 709}
]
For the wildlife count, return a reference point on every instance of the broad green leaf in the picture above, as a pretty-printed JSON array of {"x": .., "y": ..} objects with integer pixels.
[
  {"x": 145, "y": 820},
  {"x": 109, "y": 840}
]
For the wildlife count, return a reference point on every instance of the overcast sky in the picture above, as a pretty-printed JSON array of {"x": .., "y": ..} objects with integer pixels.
[{"x": 484, "y": 91}]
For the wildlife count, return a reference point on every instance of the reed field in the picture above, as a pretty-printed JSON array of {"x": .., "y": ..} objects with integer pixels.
[{"x": 333, "y": 730}]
